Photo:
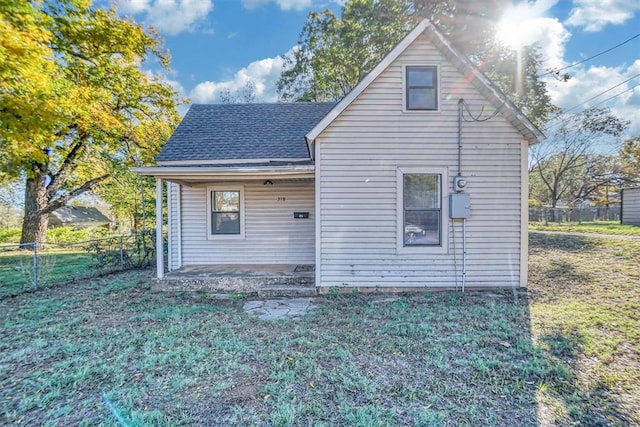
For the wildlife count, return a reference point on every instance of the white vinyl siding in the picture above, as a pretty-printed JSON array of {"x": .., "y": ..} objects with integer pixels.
[
  {"x": 271, "y": 234},
  {"x": 358, "y": 156},
  {"x": 631, "y": 206},
  {"x": 173, "y": 215}
]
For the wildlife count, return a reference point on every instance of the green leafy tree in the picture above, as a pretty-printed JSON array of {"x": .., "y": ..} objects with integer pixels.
[
  {"x": 335, "y": 53},
  {"x": 602, "y": 180},
  {"x": 131, "y": 198},
  {"x": 95, "y": 109},
  {"x": 10, "y": 213},
  {"x": 529, "y": 92},
  {"x": 560, "y": 163},
  {"x": 630, "y": 159}
]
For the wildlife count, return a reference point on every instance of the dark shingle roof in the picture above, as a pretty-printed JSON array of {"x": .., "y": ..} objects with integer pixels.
[{"x": 244, "y": 131}]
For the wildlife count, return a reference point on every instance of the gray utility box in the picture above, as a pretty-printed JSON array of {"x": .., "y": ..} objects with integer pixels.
[{"x": 459, "y": 205}]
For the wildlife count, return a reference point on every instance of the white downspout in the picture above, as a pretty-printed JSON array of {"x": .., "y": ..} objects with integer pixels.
[
  {"x": 179, "y": 222},
  {"x": 159, "y": 241},
  {"x": 170, "y": 215},
  {"x": 464, "y": 252}
]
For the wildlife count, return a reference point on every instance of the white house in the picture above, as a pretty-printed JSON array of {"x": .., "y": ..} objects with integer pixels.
[{"x": 417, "y": 178}]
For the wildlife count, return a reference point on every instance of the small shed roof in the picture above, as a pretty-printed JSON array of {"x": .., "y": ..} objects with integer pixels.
[
  {"x": 80, "y": 214},
  {"x": 226, "y": 132}
]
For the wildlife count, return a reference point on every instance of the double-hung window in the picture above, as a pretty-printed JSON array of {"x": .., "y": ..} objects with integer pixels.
[
  {"x": 421, "y": 86},
  {"x": 225, "y": 206},
  {"x": 420, "y": 210}
]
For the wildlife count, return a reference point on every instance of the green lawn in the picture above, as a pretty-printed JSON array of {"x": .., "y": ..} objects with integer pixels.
[
  {"x": 110, "y": 351},
  {"x": 16, "y": 269},
  {"x": 59, "y": 264},
  {"x": 599, "y": 227}
]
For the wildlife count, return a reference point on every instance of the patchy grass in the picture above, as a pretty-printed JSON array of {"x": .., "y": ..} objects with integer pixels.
[
  {"x": 108, "y": 351},
  {"x": 60, "y": 264},
  {"x": 598, "y": 227},
  {"x": 16, "y": 268},
  {"x": 585, "y": 316}
]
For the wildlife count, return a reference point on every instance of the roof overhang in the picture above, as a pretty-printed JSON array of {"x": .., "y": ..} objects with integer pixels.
[
  {"x": 191, "y": 175},
  {"x": 497, "y": 98}
]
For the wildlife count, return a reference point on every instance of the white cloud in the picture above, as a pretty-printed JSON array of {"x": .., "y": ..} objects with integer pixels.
[
  {"x": 134, "y": 6},
  {"x": 594, "y": 15},
  {"x": 169, "y": 16},
  {"x": 526, "y": 24},
  {"x": 263, "y": 74},
  {"x": 590, "y": 82},
  {"x": 283, "y": 4},
  {"x": 550, "y": 36}
]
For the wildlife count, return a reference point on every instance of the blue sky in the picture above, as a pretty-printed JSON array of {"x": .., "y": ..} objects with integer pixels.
[{"x": 219, "y": 45}]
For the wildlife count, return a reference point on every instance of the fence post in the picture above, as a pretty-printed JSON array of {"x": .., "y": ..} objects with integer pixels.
[
  {"x": 35, "y": 265},
  {"x": 121, "y": 254}
]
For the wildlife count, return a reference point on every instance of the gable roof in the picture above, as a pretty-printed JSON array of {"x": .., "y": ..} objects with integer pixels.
[
  {"x": 481, "y": 82},
  {"x": 80, "y": 214},
  {"x": 227, "y": 132}
]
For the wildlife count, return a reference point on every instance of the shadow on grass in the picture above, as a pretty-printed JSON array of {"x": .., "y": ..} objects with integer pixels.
[
  {"x": 562, "y": 242},
  {"x": 566, "y": 271},
  {"x": 593, "y": 405}
]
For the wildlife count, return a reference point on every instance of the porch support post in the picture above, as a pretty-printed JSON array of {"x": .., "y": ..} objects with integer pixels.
[{"x": 159, "y": 241}]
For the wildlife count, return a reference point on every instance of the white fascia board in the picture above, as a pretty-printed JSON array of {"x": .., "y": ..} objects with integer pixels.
[
  {"x": 366, "y": 81},
  {"x": 498, "y": 98},
  {"x": 183, "y": 172}
]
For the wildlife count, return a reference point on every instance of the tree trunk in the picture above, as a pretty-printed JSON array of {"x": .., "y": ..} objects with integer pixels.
[{"x": 35, "y": 222}]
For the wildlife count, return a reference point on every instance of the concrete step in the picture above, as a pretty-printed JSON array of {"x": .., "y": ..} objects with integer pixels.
[{"x": 275, "y": 291}]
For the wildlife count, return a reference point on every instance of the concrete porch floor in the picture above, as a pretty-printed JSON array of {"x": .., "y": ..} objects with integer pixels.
[{"x": 266, "y": 280}]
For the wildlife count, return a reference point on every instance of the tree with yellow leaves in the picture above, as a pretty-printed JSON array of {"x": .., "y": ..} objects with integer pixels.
[{"x": 74, "y": 101}]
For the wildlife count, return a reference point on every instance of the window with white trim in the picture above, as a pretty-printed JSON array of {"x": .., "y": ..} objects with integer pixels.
[
  {"x": 422, "y": 209},
  {"x": 421, "y": 87},
  {"x": 225, "y": 212}
]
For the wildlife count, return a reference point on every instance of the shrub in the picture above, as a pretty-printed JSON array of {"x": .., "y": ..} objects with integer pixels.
[
  {"x": 67, "y": 235},
  {"x": 10, "y": 235}
]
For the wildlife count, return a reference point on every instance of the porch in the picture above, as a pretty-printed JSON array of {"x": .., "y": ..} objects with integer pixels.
[{"x": 265, "y": 280}]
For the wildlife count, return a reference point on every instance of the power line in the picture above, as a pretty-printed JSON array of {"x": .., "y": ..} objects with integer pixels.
[
  {"x": 594, "y": 97},
  {"x": 554, "y": 125},
  {"x": 611, "y": 97},
  {"x": 556, "y": 71}
]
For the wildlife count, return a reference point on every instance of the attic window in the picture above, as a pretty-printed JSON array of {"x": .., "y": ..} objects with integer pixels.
[{"x": 421, "y": 87}]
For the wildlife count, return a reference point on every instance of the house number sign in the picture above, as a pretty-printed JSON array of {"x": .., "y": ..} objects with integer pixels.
[{"x": 281, "y": 198}]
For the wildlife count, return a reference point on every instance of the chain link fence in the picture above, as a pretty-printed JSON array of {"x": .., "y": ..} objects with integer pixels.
[
  {"x": 590, "y": 213},
  {"x": 31, "y": 266}
]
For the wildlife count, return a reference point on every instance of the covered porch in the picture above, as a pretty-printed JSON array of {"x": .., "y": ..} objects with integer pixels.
[{"x": 265, "y": 280}]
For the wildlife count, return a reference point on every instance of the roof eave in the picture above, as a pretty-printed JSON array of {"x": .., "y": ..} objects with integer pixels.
[
  {"x": 202, "y": 173},
  {"x": 366, "y": 81},
  {"x": 528, "y": 130},
  {"x": 496, "y": 96}
]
